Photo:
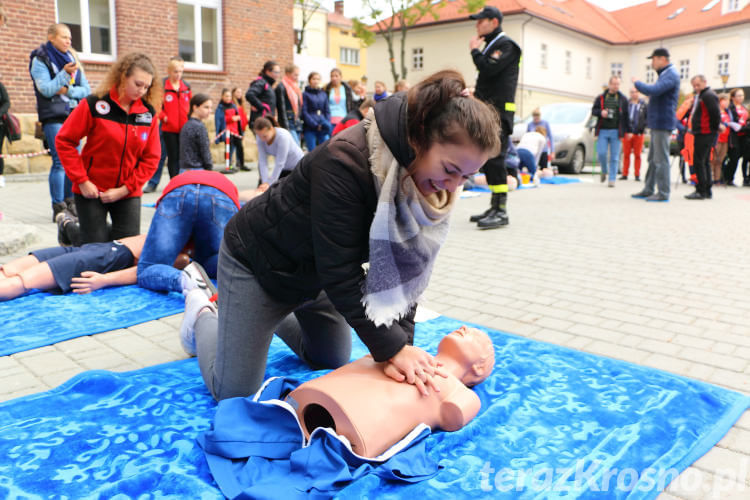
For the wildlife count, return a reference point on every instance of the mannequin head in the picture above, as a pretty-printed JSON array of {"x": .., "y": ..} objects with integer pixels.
[{"x": 471, "y": 349}]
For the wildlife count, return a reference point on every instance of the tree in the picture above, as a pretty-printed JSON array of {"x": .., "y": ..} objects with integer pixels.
[
  {"x": 401, "y": 14},
  {"x": 307, "y": 8}
]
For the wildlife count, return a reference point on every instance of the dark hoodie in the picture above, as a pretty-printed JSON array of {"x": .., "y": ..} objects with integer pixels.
[
  {"x": 311, "y": 232},
  {"x": 262, "y": 97}
]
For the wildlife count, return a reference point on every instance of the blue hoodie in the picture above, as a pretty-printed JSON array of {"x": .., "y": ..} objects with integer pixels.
[
  {"x": 663, "y": 95},
  {"x": 315, "y": 109}
]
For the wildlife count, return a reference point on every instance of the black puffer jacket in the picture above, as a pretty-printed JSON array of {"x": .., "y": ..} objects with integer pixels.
[
  {"x": 310, "y": 231},
  {"x": 262, "y": 97},
  {"x": 498, "y": 71}
]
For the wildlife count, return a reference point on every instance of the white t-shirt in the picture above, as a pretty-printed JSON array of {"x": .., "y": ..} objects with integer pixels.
[
  {"x": 284, "y": 149},
  {"x": 534, "y": 142}
]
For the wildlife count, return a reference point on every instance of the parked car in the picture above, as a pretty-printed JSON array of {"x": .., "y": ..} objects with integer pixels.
[{"x": 572, "y": 130}]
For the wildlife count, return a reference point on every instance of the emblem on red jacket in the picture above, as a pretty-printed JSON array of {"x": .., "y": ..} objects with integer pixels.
[
  {"x": 168, "y": 97},
  {"x": 102, "y": 107}
]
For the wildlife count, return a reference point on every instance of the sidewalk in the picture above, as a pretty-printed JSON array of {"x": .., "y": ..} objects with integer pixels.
[{"x": 665, "y": 285}]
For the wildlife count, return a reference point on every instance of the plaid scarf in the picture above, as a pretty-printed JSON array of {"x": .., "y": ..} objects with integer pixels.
[{"x": 406, "y": 233}]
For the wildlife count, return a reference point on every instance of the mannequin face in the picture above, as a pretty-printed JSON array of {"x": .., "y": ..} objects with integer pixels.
[{"x": 472, "y": 349}]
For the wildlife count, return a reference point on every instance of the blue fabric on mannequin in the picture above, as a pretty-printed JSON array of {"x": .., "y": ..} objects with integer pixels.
[{"x": 546, "y": 410}]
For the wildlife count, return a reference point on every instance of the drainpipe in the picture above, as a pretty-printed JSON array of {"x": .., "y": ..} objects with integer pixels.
[{"x": 521, "y": 70}]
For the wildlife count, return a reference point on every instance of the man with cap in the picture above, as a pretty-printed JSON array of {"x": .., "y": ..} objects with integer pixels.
[
  {"x": 662, "y": 107},
  {"x": 497, "y": 63}
]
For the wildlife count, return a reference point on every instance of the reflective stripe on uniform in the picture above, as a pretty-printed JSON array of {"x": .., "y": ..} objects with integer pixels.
[
  {"x": 498, "y": 188},
  {"x": 510, "y": 106}
]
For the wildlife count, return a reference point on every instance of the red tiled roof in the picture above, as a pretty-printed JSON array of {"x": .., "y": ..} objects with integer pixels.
[
  {"x": 339, "y": 20},
  {"x": 647, "y": 22},
  {"x": 639, "y": 23}
]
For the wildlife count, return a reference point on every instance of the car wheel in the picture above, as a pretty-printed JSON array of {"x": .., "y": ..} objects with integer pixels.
[{"x": 577, "y": 160}]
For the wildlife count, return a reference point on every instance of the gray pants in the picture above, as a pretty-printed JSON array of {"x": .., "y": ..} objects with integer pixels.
[
  {"x": 657, "y": 174},
  {"x": 232, "y": 349}
]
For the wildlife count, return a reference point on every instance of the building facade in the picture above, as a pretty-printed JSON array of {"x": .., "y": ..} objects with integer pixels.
[
  {"x": 571, "y": 47},
  {"x": 224, "y": 44},
  {"x": 344, "y": 46}
]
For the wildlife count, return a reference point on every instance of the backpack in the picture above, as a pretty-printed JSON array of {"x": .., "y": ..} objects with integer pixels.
[{"x": 12, "y": 127}]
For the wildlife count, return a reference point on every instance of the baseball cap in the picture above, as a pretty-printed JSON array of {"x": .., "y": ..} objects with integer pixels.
[
  {"x": 659, "y": 52},
  {"x": 488, "y": 12}
]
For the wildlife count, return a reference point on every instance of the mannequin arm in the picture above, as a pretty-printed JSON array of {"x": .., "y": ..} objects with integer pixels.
[{"x": 458, "y": 408}]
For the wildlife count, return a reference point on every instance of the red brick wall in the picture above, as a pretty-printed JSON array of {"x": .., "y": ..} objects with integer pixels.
[{"x": 253, "y": 32}]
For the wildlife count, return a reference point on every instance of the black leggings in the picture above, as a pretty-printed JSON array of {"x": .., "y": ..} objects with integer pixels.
[
  {"x": 172, "y": 142},
  {"x": 239, "y": 149},
  {"x": 92, "y": 217}
]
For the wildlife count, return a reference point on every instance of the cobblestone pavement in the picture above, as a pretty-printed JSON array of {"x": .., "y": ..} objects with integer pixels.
[{"x": 658, "y": 284}]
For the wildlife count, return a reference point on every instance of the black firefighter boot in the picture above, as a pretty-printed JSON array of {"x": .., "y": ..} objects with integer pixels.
[{"x": 497, "y": 216}]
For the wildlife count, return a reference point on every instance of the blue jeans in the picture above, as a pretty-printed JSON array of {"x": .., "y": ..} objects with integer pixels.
[
  {"x": 527, "y": 160},
  {"x": 60, "y": 187},
  {"x": 314, "y": 138},
  {"x": 657, "y": 174},
  {"x": 194, "y": 212},
  {"x": 609, "y": 139},
  {"x": 156, "y": 178}
]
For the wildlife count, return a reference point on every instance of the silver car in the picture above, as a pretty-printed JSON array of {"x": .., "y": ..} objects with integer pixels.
[{"x": 572, "y": 130}]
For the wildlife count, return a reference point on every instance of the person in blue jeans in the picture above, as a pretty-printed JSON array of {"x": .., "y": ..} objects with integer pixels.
[
  {"x": 192, "y": 212},
  {"x": 316, "y": 113},
  {"x": 611, "y": 107},
  {"x": 59, "y": 84}
]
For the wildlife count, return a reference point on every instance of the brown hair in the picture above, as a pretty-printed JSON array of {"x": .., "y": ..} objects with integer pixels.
[
  {"x": 196, "y": 101},
  {"x": 312, "y": 74},
  {"x": 724, "y": 96},
  {"x": 53, "y": 29},
  {"x": 262, "y": 123},
  {"x": 123, "y": 68},
  {"x": 733, "y": 92},
  {"x": 367, "y": 103},
  {"x": 289, "y": 69},
  {"x": 541, "y": 130},
  {"x": 437, "y": 111}
]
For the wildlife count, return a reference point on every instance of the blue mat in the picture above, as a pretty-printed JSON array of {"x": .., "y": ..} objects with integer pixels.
[
  {"x": 41, "y": 319},
  {"x": 559, "y": 180},
  {"x": 546, "y": 411}
]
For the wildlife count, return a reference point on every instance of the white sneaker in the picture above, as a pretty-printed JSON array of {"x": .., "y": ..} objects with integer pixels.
[
  {"x": 196, "y": 277},
  {"x": 195, "y": 302}
]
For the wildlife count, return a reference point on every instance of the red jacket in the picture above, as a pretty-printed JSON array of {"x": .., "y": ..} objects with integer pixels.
[
  {"x": 205, "y": 178},
  {"x": 175, "y": 106},
  {"x": 233, "y": 126},
  {"x": 122, "y": 149}
]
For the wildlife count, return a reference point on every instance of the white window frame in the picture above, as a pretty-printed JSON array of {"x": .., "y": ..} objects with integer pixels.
[
  {"x": 684, "y": 69},
  {"x": 722, "y": 63},
  {"x": 85, "y": 52},
  {"x": 211, "y": 4},
  {"x": 733, "y": 5},
  {"x": 615, "y": 69},
  {"x": 543, "y": 56},
  {"x": 417, "y": 55},
  {"x": 349, "y": 60},
  {"x": 650, "y": 74},
  {"x": 568, "y": 62}
]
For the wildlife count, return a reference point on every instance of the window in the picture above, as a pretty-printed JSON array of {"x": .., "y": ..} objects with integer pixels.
[
  {"x": 722, "y": 64},
  {"x": 349, "y": 56},
  {"x": 616, "y": 69},
  {"x": 417, "y": 58},
  {"x": 733, "y": 5},
  {"x": 199, "y": 33},
  {"x": 650, "y": 74},
  {"x": 543, "y": 56},
  {"x": 684, "y": 69},
  {"x": 91, "y": 24},
  {"x": 568, "y": 57},
  {"x": 588, "y": 68}
]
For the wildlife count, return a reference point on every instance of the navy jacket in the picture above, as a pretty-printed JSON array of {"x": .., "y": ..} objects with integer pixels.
[
  {"x": 663, "y": 94},
  {"x": 315, "y": 109}
]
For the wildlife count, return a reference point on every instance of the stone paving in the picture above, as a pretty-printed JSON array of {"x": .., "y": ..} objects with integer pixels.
[{"x": 664, "y": 285}]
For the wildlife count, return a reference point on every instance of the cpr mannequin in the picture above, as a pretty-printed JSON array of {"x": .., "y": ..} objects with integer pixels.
[{"x": 373, "y": 411}]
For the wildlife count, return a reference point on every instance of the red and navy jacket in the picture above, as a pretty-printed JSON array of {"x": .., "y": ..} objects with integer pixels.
[
  {"x": 706, "y": 115},
  {"x": 352, "y": 118},
  {"x": 205, "y": 178},
  {"x": 122, "y": 148},
  {"x": 175, "y": 106}
]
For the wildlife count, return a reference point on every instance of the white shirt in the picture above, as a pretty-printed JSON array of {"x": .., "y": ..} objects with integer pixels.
[
  {"x": 534, "y": 142},
  {"x": 284, "y": 149}
]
